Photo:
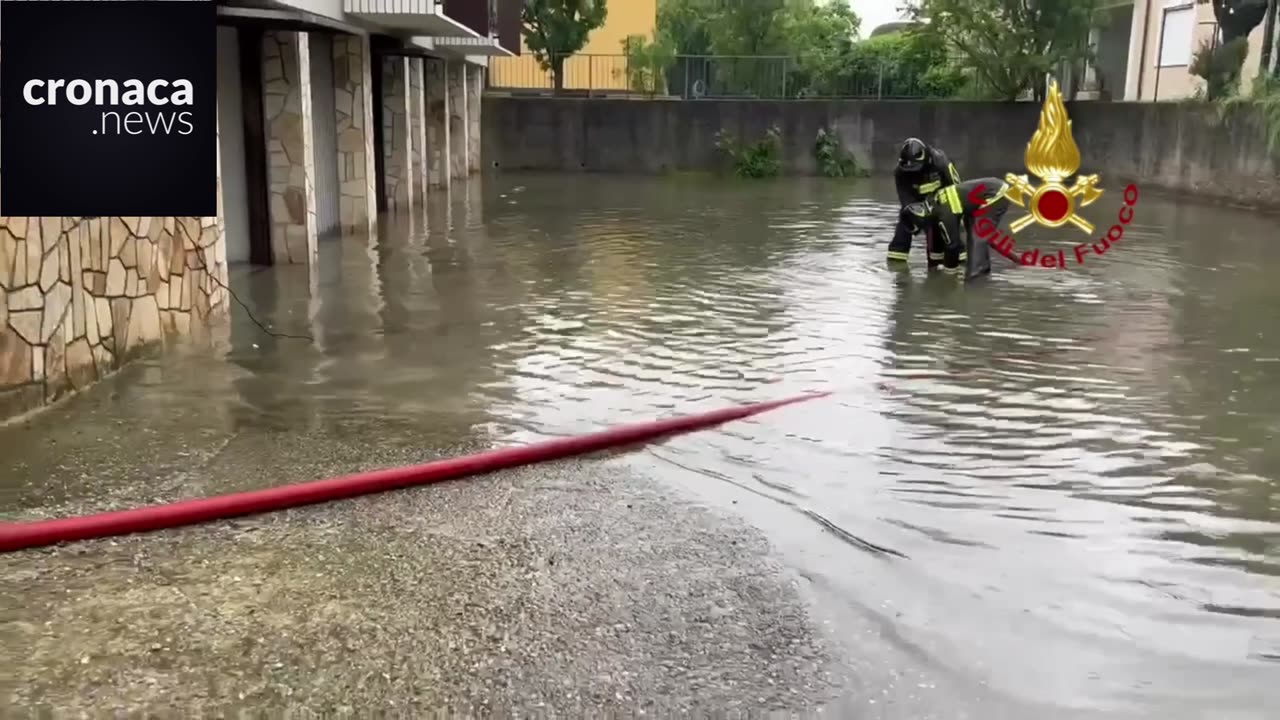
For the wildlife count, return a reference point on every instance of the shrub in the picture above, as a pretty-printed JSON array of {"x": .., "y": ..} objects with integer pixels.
[
  {"x": 759, "y": 159},
  {"x": 1263, "y": 99},
  {"x": 833, "y": 160},
  {"x": 647, "y": 64},
  {"x": 1220, "y": 67}
]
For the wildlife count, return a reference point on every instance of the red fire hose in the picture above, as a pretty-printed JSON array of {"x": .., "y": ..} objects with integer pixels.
[{"x": 20, "y": 536}]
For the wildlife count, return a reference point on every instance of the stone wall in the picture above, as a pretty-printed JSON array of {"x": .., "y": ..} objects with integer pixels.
[
  {"x": 397, "y": 148},
  {"x": 353, "y": 86},
  {"x": 1174, "y": 146},
  {"x": 475, "y": 90},
  {"x": 417, "y": 130},
  {"x": 438, "y": 113},
  {"x": 286, "y": 100},
  {"x": 80, "y": 296}
]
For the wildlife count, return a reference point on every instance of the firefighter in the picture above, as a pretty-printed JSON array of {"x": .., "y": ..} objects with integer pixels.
[
  {"x": 959, "y": 215},
  {"x": 922, "y": 171}
]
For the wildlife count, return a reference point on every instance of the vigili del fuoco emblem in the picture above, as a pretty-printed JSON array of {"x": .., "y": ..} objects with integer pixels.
[{"x": 1052, "y": 156}]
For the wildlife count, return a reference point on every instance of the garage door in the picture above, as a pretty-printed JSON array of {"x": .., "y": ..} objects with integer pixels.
[
  {"x": 324, "y": 123},
  {"x": 235, "y": 197}
]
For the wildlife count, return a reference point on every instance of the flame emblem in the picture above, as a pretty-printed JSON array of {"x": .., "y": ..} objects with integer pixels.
[{"x": 1052, "y": 156}]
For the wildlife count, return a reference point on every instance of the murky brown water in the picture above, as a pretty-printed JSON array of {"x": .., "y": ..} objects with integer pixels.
[{"x": 1060, "y": 486}]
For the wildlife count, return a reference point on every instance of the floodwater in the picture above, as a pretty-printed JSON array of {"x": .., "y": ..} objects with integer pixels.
[{"x": 1054, "y": 488}]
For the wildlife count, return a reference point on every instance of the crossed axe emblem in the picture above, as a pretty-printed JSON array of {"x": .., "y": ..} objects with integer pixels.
[{"x": 1052, "y": 204}]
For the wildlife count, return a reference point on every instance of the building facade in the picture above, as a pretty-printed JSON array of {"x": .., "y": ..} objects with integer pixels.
[
  {"x": 600, "y": 65},
  {"x": 329, "y": 113}
]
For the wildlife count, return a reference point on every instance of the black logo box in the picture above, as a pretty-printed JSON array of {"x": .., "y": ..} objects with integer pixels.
[{"x": 51, "y": 161}]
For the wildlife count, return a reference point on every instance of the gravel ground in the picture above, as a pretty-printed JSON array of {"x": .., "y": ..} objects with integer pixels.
[{"x": 557, "y": 588}]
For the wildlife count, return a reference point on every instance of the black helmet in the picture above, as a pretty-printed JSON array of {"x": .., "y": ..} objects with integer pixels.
[{"x": 913, "y": 154}]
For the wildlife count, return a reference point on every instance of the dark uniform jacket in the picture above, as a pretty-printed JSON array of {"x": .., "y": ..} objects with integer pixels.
[{"x": 917, "y": 185}]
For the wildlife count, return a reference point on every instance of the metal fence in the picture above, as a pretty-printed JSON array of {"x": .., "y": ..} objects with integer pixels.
[{"x": 692, "y": 77}]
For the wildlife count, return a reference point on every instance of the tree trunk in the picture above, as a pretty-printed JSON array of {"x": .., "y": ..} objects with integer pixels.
[{"x": 557, "y": 74}]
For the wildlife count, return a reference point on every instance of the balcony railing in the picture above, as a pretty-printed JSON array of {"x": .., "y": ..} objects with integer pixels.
[{"x": 496, "y": 19}]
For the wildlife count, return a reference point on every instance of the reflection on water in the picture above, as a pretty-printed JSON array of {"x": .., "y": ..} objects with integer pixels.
[{"x": 1062, "y": 483}]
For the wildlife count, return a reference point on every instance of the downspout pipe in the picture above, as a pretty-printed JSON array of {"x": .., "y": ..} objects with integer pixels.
[
  {"x": 41, "y": 533},
  {"x": 1164, "y": 15},
  {"x": 1142, "y": 55}
]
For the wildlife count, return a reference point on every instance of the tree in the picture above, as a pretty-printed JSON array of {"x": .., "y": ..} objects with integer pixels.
[
  {"x": 1238, "y": 18},
  {"x": 757, "y": 47},
  {"x": 1220, "y": 65},
  {"x": 1010, "y": 45},
  {"x": 647, "y": 63},
  {"x": 686, "y": 25},
  {"x": 903, "y": 64},
  {"x": 556, "y": 29},
  {"x": 821, "y": 38}
]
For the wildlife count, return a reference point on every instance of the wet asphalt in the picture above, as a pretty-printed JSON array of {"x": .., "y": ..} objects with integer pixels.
[{"x": 562, "y": 588}]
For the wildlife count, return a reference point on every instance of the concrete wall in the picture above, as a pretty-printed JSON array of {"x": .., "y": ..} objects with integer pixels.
[
  {"x": 1179, "y": 146},
  {"x": 81, "y": 296}
]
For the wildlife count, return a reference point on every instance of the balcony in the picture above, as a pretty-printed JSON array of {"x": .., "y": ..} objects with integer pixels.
[
  {"x": 495, "y": 22},
  {"x": 416, "y": 17}
]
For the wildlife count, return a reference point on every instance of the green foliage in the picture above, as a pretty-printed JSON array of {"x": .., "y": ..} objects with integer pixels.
[
  {"x": 819, "y": 39},
  {"x": 1220, "y": 67},
  {"x": 807, "y": 48},
  {"x": 760, "y": 46},
  {"x": 1264, "y": 100},
  {"x": 647, "y": 63},
  {"x": 903, "y": 64},
  {"x": 556, "y": 29},
  {"x": 1238, "y": 18},
  {"x": 685, "y": 25},
  {"x": 759, "y": 159},
  {"x": 1008, "y": 46},
  {"x": 833, "y": 160}
]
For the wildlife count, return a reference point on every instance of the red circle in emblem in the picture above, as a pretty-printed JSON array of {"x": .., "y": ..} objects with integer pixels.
[{"x": 1053, "y": 205}]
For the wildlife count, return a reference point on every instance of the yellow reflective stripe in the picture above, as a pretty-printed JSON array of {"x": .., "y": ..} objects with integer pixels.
[
  {"x": 953, "y": 199},
  {"x": 964, "y": 256},
  {"x": 896, "y": 255},
  {"x": 955, "y": 174},
  {"x": 937, "y": 256},
  {"x": 930, "y": 186}
]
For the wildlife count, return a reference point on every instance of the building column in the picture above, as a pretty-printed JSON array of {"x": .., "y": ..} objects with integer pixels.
[
  {"x": 353, "y": 94},
  {"x": 458, "y": 120},
  {"x": 475, "y": 89},
  {"x": 1134, "y": 69},
  {"x": 417, "y": 130},
  {"x": 397, "y": 164},
  {"x": 290, "y": 174},
  {"x": 437, "y": 85}
]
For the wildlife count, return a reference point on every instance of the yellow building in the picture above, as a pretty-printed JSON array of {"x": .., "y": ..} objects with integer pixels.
[{"x": 600, "y": 65}]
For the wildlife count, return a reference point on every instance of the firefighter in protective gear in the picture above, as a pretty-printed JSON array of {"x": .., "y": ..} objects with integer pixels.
[
  {"x": 960, "y": 215},
  {"x": 921, "y": 173}
]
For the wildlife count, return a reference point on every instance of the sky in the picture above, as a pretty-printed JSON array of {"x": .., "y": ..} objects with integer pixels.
[{"x": 875, "y": 12}]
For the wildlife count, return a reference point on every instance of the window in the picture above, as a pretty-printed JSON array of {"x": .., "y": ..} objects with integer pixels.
[{"x": 1179, "y": 27}]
